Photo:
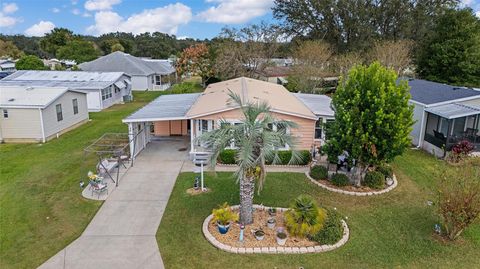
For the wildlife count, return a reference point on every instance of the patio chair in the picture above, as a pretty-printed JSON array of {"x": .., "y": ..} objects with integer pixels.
[{"x": 99, "y": 188}]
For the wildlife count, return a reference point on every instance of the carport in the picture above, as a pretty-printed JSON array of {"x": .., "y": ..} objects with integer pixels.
[{"x": 165, "y": 116}]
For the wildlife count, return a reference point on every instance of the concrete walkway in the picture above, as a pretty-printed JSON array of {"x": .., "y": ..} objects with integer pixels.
[{"x": 122, "y": 233}]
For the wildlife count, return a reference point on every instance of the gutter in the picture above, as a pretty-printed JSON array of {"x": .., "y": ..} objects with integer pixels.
[{"x": 41, "y": 124}]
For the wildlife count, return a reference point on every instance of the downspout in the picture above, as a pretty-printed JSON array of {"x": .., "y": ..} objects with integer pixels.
[
  {"x": 41, "y": 124},
  {"x": 422, "y": 129}
]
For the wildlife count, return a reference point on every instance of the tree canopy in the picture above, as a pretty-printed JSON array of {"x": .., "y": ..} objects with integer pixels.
[
  {"x": 30, "y": 62},
  {"x": 451, "y": 52},
  {"x": 373, "y": 118},
  {"x": 9, "y": 50},
  {"x": 78, "y": 50}
]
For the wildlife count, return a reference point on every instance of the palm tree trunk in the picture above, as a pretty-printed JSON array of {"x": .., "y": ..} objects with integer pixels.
[{"x": 247, "y": 190}]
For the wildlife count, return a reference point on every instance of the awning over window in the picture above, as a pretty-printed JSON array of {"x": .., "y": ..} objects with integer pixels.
[
  {"x": 453, "y": 111},
  {"x": 120, "y": 84}
]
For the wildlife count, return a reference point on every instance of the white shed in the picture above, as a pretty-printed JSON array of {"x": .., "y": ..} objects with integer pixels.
[
  {"x": 38, "y": 114},
  {"x": 103, "y": 89}
]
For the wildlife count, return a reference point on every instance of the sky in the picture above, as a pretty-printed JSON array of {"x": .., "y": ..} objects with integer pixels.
[{"x": 188, "y": 18}]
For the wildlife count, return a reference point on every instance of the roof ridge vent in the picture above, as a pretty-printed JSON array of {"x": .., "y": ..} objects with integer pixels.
[{"x": 11, "y": 99}]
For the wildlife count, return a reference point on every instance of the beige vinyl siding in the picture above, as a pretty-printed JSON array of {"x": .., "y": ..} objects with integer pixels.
[
  {"x": 304, "y": 133},
  {"x": 52, "y": 126},
  {"x": 22, "y": 123}
]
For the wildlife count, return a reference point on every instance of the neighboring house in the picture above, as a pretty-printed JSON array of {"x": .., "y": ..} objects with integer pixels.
[
  {"x": 444, "y": 115},
  {"x": 103, "y": 89},
  {"x": 274, "y": 74},
  {"x": 7, "y": 65},
  {"x": 194, "y": 114},
  {"x": 53, "y": 64},
  {"x": 38, "y": 114},
  {"x": 146, "y": 74}
]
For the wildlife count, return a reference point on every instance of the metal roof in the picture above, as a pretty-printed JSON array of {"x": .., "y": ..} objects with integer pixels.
[
  {"x": 453, "y": 111},
  {"x": 320, "y": 105},
  {"x": 71, "y": 79},
  {"x": 29, "y": 97},
  {"x": 123, "y": 62},
  {"x": 429, "y": 92},
  {"x": 165, "y": 107}
]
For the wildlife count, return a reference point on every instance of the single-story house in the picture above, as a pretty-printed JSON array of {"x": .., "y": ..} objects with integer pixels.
[
  {"x": 103, "y": 89},
  {"x": 7, "y": 65},
  {"x": 444, "y": 115},
  {"x": 146, "y": 74},
  {"x": 38, "y": 114},
  {"x": 53, "y": 63},
  {"x": 274, "y": 74},
  {"x": 194, "y": 114}
]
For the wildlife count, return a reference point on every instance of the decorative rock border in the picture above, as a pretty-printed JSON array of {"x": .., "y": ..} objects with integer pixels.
[
  {"x": 272, "y": 250},
  {"x": 354, "y": 193}
]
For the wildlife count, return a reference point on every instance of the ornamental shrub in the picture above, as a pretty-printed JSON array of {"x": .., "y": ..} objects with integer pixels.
[
  {"x": 374, "y": 180},
  {"x": 227, "y": 156},
  {"x": 386, "y": 170},
  {"x": 304, "y": 218},
  {"x": 332, "y": 230},
  {"x": 319, "y": 172},
  {"x": 285, "y": 156},
  {"x": 340, "y": 180},
  {"x": 460, "y": 151}
]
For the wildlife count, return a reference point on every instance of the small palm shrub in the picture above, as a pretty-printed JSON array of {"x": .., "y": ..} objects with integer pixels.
[
  {"x": 304, "y": 218},
  {"x": 332, "y": 230},
  {"x": 374, "y": 180},
  {"x": 224, "y": 214},
  {"x": 340, "y": 180},
  {"x": 386, "y": 170},
  {"x": 227, "y": 156},
  {"x": 319, "y": 172}
]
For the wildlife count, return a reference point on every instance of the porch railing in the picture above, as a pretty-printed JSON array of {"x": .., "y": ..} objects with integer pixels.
[{"x": 449, "y": 142}]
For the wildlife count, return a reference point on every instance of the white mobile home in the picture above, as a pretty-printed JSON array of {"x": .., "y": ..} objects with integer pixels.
[
  {"x": 103, "y": 89},
  {"x": 38, "y": 114},
  {"x": 146, "y": 74}
]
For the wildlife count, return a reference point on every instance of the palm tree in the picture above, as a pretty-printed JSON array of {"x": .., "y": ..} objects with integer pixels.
[{"x": 256, "y": 138}]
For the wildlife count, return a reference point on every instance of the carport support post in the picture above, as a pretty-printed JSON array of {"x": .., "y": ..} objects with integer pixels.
[{"x": 131, "y": 136}]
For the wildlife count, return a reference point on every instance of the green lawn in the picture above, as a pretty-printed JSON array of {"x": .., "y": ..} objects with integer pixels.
[
  {"x": 388, "y": 231},
  {"x": 41, "y": 207}
]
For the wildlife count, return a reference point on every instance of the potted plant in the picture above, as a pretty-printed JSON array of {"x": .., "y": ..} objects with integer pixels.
[
  {"x": 281, "y": 238},
  {"x": 272, "y": 211},
  {"x": 259, "y": 234},
  {"x": 223, "y": 216},
  {"x": 271, "y": 223}
]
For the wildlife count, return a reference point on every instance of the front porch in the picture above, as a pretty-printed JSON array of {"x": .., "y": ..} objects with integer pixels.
[{"x": 449, "y": 124}]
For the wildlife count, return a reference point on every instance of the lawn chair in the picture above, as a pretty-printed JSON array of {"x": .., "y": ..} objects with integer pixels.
[{"x": 99, "y": 188}]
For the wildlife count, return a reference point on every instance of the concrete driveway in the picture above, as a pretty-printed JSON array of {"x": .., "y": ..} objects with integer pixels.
[{"x": 122, "y": 233}]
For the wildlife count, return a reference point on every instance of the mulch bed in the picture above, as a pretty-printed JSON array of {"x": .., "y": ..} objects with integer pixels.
[
  {"x": 231, "y": 238},
  {"x": 193, "y": 191}
]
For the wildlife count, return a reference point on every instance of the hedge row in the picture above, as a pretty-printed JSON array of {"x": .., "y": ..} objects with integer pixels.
[{"x": 227, "y": 156}]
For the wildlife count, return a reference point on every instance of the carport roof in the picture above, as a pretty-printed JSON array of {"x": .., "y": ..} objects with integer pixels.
[{"x": 165, "y": 107}]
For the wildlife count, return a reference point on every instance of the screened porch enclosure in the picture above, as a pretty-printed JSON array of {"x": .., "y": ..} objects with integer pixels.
[{"x": 446, "y": 131}]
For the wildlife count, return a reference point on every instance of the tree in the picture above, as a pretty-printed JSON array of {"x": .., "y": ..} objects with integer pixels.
[
  {"x": 78, "y": 50},
  {"x": 30, "y": 62},
  {"x": 57, "y": 38},
  {"x": 372, "y": 117},
  {"x": 393, "y": 54},
  {"x": 342, "y": 63},
  {"x": 451, "y": 52},
  {"x": 459, "y": 199},
  {"x": 196, "y": 60},
  {"x": 9, "y": 50},
  {"x": 243, "y": 52},
  {"x": 354, "y": 24},
  {"x": 117, "y": 47},
  {"x": 255, "y": 141},
  {"x": 312, "y": 63}
]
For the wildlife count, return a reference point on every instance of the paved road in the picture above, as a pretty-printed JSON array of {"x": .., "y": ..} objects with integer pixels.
[{"x": 122, "y": 233}]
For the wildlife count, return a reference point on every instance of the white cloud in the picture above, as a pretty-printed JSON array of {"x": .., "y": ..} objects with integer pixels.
[
  {"x": 101, "y": 4},
  {"x": 9, "y": 8},
  {"x": 477, "y": 13},
  {"x": 163, "y": 19},
  {"x": 76, "y": 11},
  {"x": 235, "y": 11},
  {"x": 86, "y": 14},
  {"x": 5, "y": 20},
  {"x": 55, "y": 10},
  {"x": 40, "y": 29}
]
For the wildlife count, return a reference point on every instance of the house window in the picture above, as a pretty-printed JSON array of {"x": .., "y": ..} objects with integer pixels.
[
  {"x": 318, "y": 128},
  {"x": 117, "y": 89},
  {"x": 106, "y": 93},
  {"x": 75, "y": 106},
  {"x": 5, "y": 114},
  {"x": 58, "y": 108},
  {"x": 158, "y": 80}
]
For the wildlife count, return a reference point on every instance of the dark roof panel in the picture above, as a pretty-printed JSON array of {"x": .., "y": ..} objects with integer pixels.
[{"x": 429, "y": 92}]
